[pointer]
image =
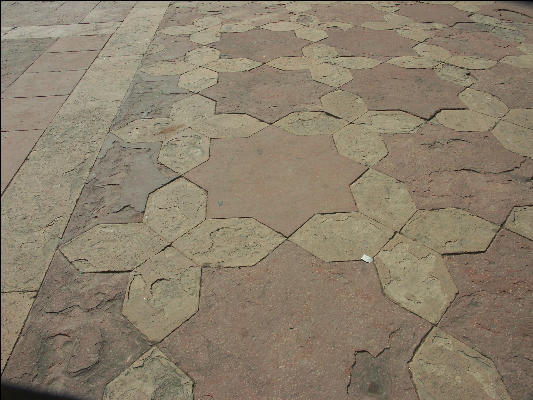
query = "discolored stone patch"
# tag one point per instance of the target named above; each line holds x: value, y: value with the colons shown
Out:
x: 515, y: 138
x: 389, y: 122
x: 185, y: 151
x: 310, y: 123
x: 343, y: 105
x: 521, y: 221
x: 198, y: 79
x: 439, y: 13
x: 465, y: 120
x: 360, y: 144
x: 483, y: 103
x: 229, y: 125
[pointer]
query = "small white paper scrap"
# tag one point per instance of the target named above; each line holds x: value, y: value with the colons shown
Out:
x: 367, y: 259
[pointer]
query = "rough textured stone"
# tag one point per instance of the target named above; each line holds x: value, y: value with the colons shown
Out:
x: 281, y: 312
x: 310, y: 123
x: 184, y: 152
x: 465, y: 120
x: 483, y: 102
x: 162, y: 293
x: 515, y: 138
x: 345, y: 12
x: 415, y: 277
x: 331, y: 75
x: 202, y: 56
x: 175, y: 209
x: 229, y: 125
x: 342, y: 236
x: 355, y: 62
x: 445, y: 367
x: 319, y: 52
x: 311, y: 34
x: 413, y: 62
x: 192, y: 109
x: 152, y: 376
x: 450, y: 230
x: 198, y: 79
x: 233, y: 65
x: 451, y: 73
x: 521, y: 61
x: 359, y: 144
x: 112, y: 247
x: 522, y: 117
x: 232, y: 242
x: 344, y: 105
x: 383, y: 198
x: 440, y: 13
x: 148, y: 130
x: 521, y: 221
x: 256, y: 176
x: 389, y: 122
x: 290, y: 63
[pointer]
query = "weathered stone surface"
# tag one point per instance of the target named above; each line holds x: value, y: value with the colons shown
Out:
x: 451, y: 73
x: 413, y: 62
x: 43, y: 84
x: 359, y: 144
x: 70, y: 61
x: 207, y: 36
x: 344, y: 105
x: 290, y: 63
x: 440, y: 13
x: 168, y: 48
x: 450, y: 230
x: 22, y: 114
x: 198, y: 79
x: 432, y: 52
x: 162, y: 293
x: 233, y: 65
x: 483, y: 102
x: 415, y: 277
x: 202, y: 56
x: 354, y: 62
x: 253, y: 320
x: 389, y: 122
x: 383, y: 198
x: 175, y: 209
x: 229, y: 125
x: 468, y: 62
x: 311, y: 34
x: 192, y: 109
x: 520, y: 116
x: 521, y: 221
x: 152, y: 376
x: 181, y: 30
x: 345, y: 12
x: 310, y: 123
x: 234, y: 28
x: 466, y: 120
x: 148, y: 130
x: 231, y: 242
x: 184, y: 152
x: 342, y: 236
x: 331, y: 75
x: 320, y: 52
x: 112, y: 247
x: 521, y: 61
x: 168, y: 68
x: 281, y: 26
x: 515, y: 138
x: 256, y: 177
x: 445, y: 367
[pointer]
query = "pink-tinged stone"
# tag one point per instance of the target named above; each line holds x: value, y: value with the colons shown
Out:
x: 511, y: 11
x: 71, y: 61
x: 29, y: 113
x: 168, y: 48
x: 15, y: 148
x: 288, y: 328
x: 257, y: 176
x: 266, y: 93
x: 468, y: 170
x: 260, y: 45
x: 492, y: 312
x: 417, y: 91
x: 355, y: 14
x: 75, y: 339
x: 79, y: 43
x: 510, y: 84
x: 31, y: 84
x: 367, y: 42
x: 256, y: 13
x: 439, y: 13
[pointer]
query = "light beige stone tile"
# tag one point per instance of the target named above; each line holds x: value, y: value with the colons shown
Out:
x: 192, y: 109
x: 485, y: 19
x: 390, y: 122
x: 232, y: 65
x: 166, y: 68
x: 311, y: 34
x: 57, y: 31
x: 483, y: 102
x: 454, y: 74
x: 331, y: 75
x: 202, y: 56
x: 359, y: 144
x: 149, y: 130
x: 113, y: 247
x: 185, y: 151
x: 342, y: 236
x: 515, y: 138
x: 198, y: 79
x: 415, y: 277
x: 185, y: 30
x: 162, y: 294
x: 319, y: 52
x: 521, y: 221
x: 383, y: 198
x: 522, y: 61
x: 151, y: 376
x: 207, y: 22
x: 414, y: 34
x: 520, y: 116
x: 345, y: 105
x: 308, y: 20
x: 450, y: 230
x: 380, y: 25
x: 469, y: 6
x: 206, y: 36
x: 298, y: 7
x: 355, y: 62
x: 229, y: 125
x: 469, y: 62
x: 231, y: 242
x: 236, y: 28
x: 465, y: 120
x: 335, y: 25
x: 290, y: 63
x: 282, y: 26
x: 413, y: 62
x: 431, y: 51
x: 445, y: 368
x: 310, y: 123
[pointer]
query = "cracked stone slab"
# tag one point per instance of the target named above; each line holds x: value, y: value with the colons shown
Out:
x: 515, y: 138
x: 192, y: 109
x: 361, y: 145
x: 342, y: 236
x: 229, y: 125
x: 344, y: 105
x: 522, y: 117
x: 175, y: 208
x: 162, y: 293
x: 482, y: 102
x: 450, y: 230
x: 466, y: 120
x: 415, y: 277
x: 202, y: 56
x: 521, y: 221
x: 112, y: 247
x: 153, y: 375
x: 148, y: 130
x: 310, y: 123
x: 231, y: 242
x: 185, y: 151
x: 444, y: 367
x: 198, y: 79
x: 233, y: 65
x: 389, y: 122
x: 331, y: 75
x: 383, y: 199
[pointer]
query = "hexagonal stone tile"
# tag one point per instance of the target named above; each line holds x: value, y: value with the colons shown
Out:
x: 465, y: 120
x: 520, y: 116
x: 152, y: 376
x: 383, y: 198
x: 311, y: 34
x: 354, y: 62
x: 207, y: 36
x: 515, y: 138
x: 148, y: 130
x: 451, y: 73
x: 229, y: 125
x: 320, y: 52
x: 342, y: 236
x: 415, y: 277
x: 167, y: 68
x: 192, y: 109
x: 432, y: 52
x: 450, y: 230
x: 184, y: 152
x: 521, y: 221
x: 162, y: 293
x: 331, y: 75
x: 113, y: 247
x: 521, y: 61
x: 233, y: 65
x: 416, y: 91
x: 444, y: 367
x: 198, y: 79
x: 413, y: 62
x: 482, y: 102
x: 282, y: 26
x: 361, y: 145
x: 389, y: 122
x: 290, y: 63
x: 344, y: 105
x: 310, y: 123
x: 175, y: 208
x: 202, y: 56
x: 232, y: 242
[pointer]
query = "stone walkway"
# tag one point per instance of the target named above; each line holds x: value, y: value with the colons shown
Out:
x: 268, y: 200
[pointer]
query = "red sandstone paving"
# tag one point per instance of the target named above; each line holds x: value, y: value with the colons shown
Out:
x: 256, y: 13
x: 31, y: 84
x: 288, y: 328
x: 492, y: 312
x: 257, y: 176
x: 79, y: 43
x: 355, y: 14
x: 439, y: 13
x: 24, y: 114
x: 71, y: 61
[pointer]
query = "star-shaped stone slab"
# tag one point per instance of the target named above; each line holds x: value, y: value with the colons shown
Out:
x: 257, y: 176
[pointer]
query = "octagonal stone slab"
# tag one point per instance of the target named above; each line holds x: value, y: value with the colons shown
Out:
x: 342, y: 236
x: 175, y: 208
x: 152, y: 376
x: 482, y: 102
x: 162, y: 293
x: 331, y: 75
x: 354, y: 62
x: 465, y: 120
x: 198, y: 79
x: 192, y: 109
x: 148, y: 130
x: 360, y: 144
x: 202, y: 56
x: 389, y: 122
x: 515, y: 138
x: 231, y: 242
x: 415, y: 277
x: 444, y: 367
x: 383, y: 198
x: 233, y: 65
x: 185, y: 151
x: 343, y: 105
x: 229, y: 125
x: 310, y: 123
x: 311, y: 34
x: 521, y: 221
x: 450, y: 230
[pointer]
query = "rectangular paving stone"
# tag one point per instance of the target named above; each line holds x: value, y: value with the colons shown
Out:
x: 32, y: 84
x: 29, y: 113
x: 71, y: 61
x: 78, y: 43
x: 104, y: 13
x: 56, y: 31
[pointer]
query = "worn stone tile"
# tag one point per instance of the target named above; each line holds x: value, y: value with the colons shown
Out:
x: 290, y: 63
x: 44, y: 84
x: 282, y: 26
x: 413, y: 62
x: 468, y: 62
x: 185, y: 151
x: 283, y: 308
x: 26, y: 114
x: 229, y: 125
x: 415, y: 277
x: 466, y: 120
x: 331, y: 75
x: 419, y: 92
x: 78, y: 43
x: 390, y: 122
x: 310, y: 123
x: 233, y: 65
x: 149, y: 130
x: 163, y: 68
x: 440, y: 13
x: 320, y: 52
x: 520, y: 116
x: 57, y: 31
x: 202, y: 56
x: 235, y: 28
x: 521, y: 61
x: 450, y: 230
x: 445, y: 367
x: 181, y: 30
x: 355, y: 62
x: 207, y: 22
x: 359, y: 144
x: 483, y: 102
x: 198, y: 79
x: 311, y: 34
x: 344, y: 12
x: 104, y: 13
x: 207, y: 36
x: 192, y: 109
x: 521, y: 221
x: 343, y: 105
x: 432, y: 52
x: 383, y: 198
x: 255, y: 177
x: 70, y: 61
x: 266, y: 93
x: 515, y: 138
x: 168, y: 48
x: 451, y: 73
